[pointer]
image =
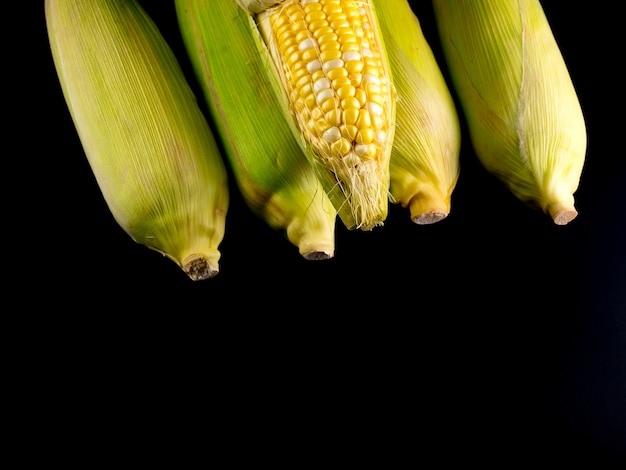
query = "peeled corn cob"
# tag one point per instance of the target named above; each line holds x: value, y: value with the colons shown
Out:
x: 275, y: 178
x: 330, y: 61
x: 147, y: 142
x: 525, y: 121
x: 424, y: 164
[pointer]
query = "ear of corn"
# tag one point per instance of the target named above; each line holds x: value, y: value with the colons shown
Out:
x: 147, y: 142
x: 330, y: 60
x: 275, y: 178
x: 424, y: 165
x: 523, y: 113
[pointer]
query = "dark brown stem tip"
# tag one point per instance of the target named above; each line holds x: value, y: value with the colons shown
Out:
x: 199, y: 268
x: 317, y: 255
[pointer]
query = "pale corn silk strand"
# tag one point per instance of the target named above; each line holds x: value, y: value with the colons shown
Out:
x: 331, y: 65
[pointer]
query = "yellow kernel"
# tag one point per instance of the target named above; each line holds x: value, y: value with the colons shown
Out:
x: 302, y: 34
x: 283, y: 37
x: 370, y: 69
x: 329, y: 105
x: 364, y: 120
x: 341, y: 147
x: 330, y: 55
x: 328, y: 41
x: 317, y: 113
x: 288, y: 50
x: 346, y: 38
x: 372, y: 89
x: 293, y: 11
x: 344, y: 29
x: 338, y: 20
x: 310, y: 101
x: 377, y: 122
x: 305, y: 90
x: 361, y: 96
x: 309, y: 54
x: 315, y: 25
x: 302, y: 81
x: 315, y: 16
x: 317, y: 75
x: 350, y: 116
x: 356, y: 78
x: 341, y: 81
x: 337, y: 73
x: 293, y: 58
x: 345, y: 92
x: 312, y: 6
x: 349, y: 132
x: 332, y: 8
x: 310, y: 126
x: 375, y: 98
x: 365, y: 136
x: 374, y: 150
x: 290, y: 42
x: 354, y: 66
x: 350, y: 47
x: 350, y: 102
x: 322, y: 126
x: 323, y: 31
x: 333, y: 117
x: 279, y: 20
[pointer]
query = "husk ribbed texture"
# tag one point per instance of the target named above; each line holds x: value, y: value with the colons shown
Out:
x: 525, y: 120
x: 147, y: 142
x: 424, y: 165
x: 274, y: 176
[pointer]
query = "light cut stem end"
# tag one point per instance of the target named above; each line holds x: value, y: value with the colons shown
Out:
x: 562, y: 212
x: 429, y: 217
x: 426, y: 204
x: 563, y: 217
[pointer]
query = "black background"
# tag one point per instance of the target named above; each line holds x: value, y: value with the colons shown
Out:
x: 493, y: 335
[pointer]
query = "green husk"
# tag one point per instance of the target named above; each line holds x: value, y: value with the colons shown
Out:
x: 275, y: 178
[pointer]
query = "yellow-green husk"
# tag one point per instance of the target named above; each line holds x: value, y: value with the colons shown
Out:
x: 424, y: 166
x: 524, y: 117
x: 147, y: 142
